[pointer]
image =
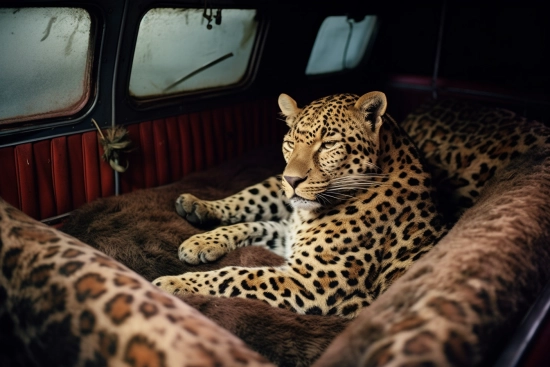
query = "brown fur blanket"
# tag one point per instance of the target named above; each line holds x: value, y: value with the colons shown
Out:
x: 143, y: 230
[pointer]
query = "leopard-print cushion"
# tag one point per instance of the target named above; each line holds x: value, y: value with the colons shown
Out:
x: 63, y: 303
x: 465, y: 144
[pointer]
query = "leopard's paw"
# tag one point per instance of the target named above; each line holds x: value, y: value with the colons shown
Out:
x: 175, y: 285
x: 205, y: 247
x: 197, y: 211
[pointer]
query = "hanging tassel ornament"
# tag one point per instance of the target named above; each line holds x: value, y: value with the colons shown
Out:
x: 207, y: 16
x: 115, y: 141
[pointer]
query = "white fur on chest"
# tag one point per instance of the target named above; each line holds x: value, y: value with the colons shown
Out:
x: 296, y: 222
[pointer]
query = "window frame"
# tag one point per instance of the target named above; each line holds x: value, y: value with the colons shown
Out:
x: 52, y: 120
x: 185, y: 97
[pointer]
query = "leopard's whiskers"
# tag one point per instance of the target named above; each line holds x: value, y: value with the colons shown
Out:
x: 341, y: 188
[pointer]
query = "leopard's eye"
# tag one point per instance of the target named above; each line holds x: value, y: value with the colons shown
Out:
x: 288, y: 145
x: 328, y: 145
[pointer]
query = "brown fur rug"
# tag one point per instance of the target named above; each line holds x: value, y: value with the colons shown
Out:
x: 143, y: 231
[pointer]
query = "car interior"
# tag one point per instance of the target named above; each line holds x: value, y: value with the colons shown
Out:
x: 110, y: 109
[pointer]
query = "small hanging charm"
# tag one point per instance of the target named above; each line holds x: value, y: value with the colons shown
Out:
x: 207, y: 16
x: 116, y: 141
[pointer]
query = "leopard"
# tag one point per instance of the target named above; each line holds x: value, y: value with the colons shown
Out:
x: 64, y: 303
x: 359, y: 210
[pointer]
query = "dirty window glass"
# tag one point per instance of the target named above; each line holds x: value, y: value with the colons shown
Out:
x: 44, y: 62
x: 340, y: 44
x: 177, y: 52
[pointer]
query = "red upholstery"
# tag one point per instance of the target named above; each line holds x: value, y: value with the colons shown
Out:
x: 167, y: 149
x: 60, y: 175
x: 76, y: 170
x: 43, y: 179
x: 54, y: 176
x: 26, y: 180
x: 9, y: 181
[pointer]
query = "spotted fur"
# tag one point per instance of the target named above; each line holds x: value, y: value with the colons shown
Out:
x: 362, y: 214
x: 465, y: 144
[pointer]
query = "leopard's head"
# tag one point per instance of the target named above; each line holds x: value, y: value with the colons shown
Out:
x: 331, y: 147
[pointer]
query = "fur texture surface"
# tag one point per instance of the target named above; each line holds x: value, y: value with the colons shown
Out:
x: 282, y: 336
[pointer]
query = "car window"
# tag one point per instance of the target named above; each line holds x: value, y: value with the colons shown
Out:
x: 179, y: 50
x: 45, y: 62
x: 340, y: 44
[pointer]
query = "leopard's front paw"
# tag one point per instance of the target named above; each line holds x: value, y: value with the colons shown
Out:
x: 175, y: 285
x: 197, y: 211
x: 204, y: 247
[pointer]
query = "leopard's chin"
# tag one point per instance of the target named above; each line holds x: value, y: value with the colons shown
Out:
x: 299, y: 202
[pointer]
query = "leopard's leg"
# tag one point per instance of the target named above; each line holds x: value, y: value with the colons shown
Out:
x: 261, y: 202
x: 282, y: 287
x: 211, y: 245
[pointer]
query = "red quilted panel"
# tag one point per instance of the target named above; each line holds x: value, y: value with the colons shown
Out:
x: 160, y: 146
x: 60, y: 175
x: 209, y: 139
x: 90, y: 154
x: 44, y: 179
x: 227, y: 141
x: 54, y: 176
x: 186, y: 144
x: 147, y: 154
x: 222, y: 135
x: 107, y: 177
x: 133, y: 178
x: 167, y: 149
x: 8, y: 183
x: 173, y: 148
x: 197, y: 141
x: 76, y: 169
x: 26, y: 179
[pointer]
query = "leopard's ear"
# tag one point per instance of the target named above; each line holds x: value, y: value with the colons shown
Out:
x: 289, y: 108
x: 371, y: 107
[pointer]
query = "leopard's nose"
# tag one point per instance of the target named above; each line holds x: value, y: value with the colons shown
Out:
x: 294, y: 181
